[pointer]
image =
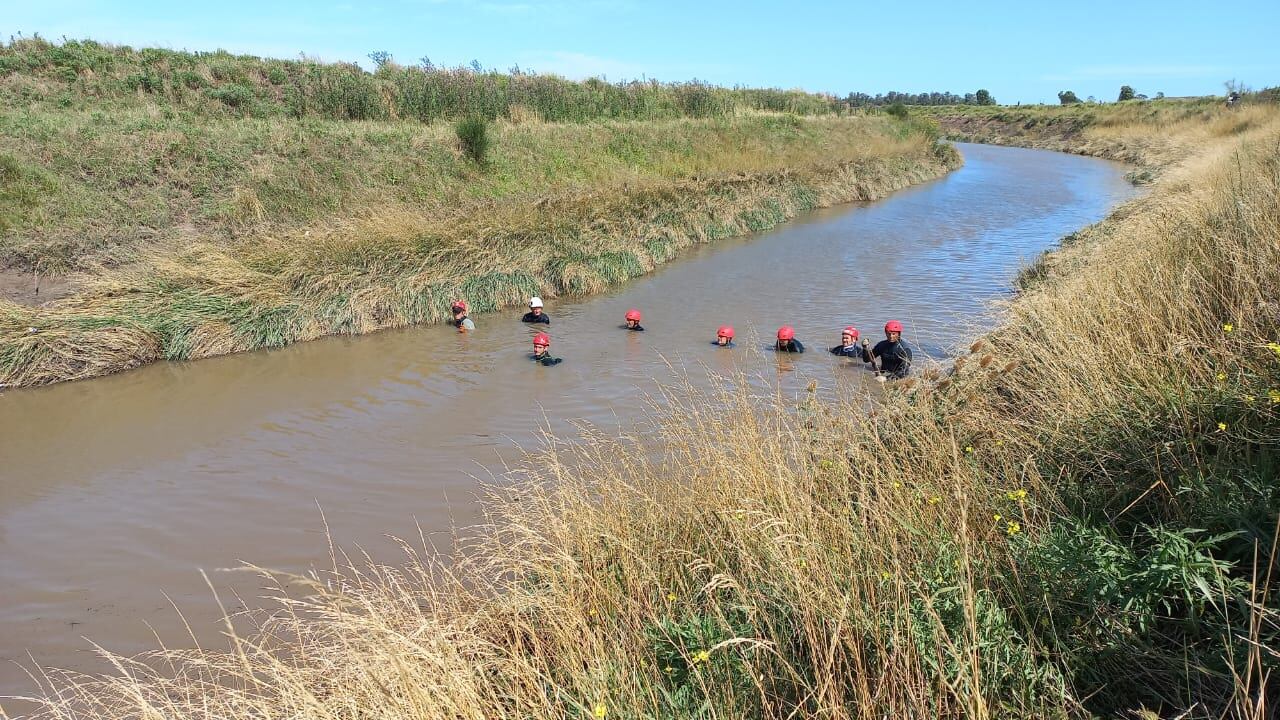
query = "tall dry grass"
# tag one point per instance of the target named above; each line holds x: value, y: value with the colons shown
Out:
x: 1080, y: 520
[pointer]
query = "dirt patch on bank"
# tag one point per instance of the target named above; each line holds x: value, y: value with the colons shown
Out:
x: 1062, y: 134
x: 27, y: 288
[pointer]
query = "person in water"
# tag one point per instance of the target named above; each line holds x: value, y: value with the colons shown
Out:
x: 541, y: 343
x: 894, y: 355
x: 460, y: 319
x: 535, y: 314
x: 848, y: 346
x: 633, y: 320
x: 724, y: 336
x: 787, y: 341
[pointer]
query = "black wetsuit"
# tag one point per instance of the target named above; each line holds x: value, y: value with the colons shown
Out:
x: 636, y: 328
x: 847, y: 351
x: 792, y: 346
x: 531, y: 318
x: 895, y: 358
x: 727, y: 345
x: 545, y: 359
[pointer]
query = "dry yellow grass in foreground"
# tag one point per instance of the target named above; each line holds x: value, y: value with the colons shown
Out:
x: 1079, y: 520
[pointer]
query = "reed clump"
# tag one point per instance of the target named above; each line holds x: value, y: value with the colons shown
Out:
x: 1079, y: 521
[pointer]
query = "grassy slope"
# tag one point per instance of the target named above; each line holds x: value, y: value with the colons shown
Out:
x: 196, y: 228
x: 105, y: 148
x: 1079, y: 520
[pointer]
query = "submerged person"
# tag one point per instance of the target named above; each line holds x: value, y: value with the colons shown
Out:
x: 724, y: 336
x: 633, y: 320
x: 460, y: 318
x: 893, y: 353
x: 787, y: 341
x: 848, y: 346
x: 535, y: 314
x: 541, y: 354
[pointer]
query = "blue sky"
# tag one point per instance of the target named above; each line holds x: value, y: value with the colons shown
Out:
x: 1020, y: 51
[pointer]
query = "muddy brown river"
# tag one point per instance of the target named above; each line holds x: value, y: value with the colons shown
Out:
x: 117, y: 492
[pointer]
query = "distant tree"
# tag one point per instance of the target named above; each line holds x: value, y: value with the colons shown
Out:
x: 1068, y: 97
x: 426, y: 64
x: 1091, y: 99
x: 897, y: 110
x: 982, y: 97
x: 380, y: 57
x: 1139, y: 96
x: 1126, y: 93
x: 1160, y: 95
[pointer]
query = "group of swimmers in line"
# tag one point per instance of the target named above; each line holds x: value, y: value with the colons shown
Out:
x: 891, y: 358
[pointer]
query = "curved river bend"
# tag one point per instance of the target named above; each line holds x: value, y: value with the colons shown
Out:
x: 117, y: 491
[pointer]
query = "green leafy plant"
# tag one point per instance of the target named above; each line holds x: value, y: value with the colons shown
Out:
x: 473, y: 133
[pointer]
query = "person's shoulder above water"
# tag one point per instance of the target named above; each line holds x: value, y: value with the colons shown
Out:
x: 529, y: 317
x: 545, y: 359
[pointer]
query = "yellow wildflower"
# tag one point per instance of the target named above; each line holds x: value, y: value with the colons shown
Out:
x: 997, y: 517
x: 1274, y: 347
x: 592, y: 611
x: 1228, y: 327
x: 671, y: 597
x: 1013, y: 528
x: 1222, y: 376
x: 1273, y: 396
x: 600, y: 710
x: 885, y: 574
x: 701, y: 656
x: 968, y: 448
x: 897, y: 484
x: 1017, y: 495
x: 1222, y: 427
x: 668, y: 669
x: 935, y: 500
x: 1249, y: 398
x: 999, y: 443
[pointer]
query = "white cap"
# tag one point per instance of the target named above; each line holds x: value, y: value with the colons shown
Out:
x: 535, y: 301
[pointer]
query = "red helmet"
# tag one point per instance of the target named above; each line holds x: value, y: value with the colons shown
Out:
x: 725, y: 331
x: 893, y: 326
x: 633, y: 314
x: 786, y: 332
x: 542, y: 339
x: 851, y: 331
x: 459, y: 305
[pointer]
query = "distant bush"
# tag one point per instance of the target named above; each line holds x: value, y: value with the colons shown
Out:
x: 983, y: 97
x: 1126, y: 93
x: 897, y: 110
x: 236, y: 96
x: 1068, y: 97
x: 473, y: 133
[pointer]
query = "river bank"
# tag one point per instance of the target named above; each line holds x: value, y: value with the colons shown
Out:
x: 187, y: 205
x: 628, y: 198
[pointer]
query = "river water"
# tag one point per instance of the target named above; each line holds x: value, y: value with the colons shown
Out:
x: 116, y: 492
